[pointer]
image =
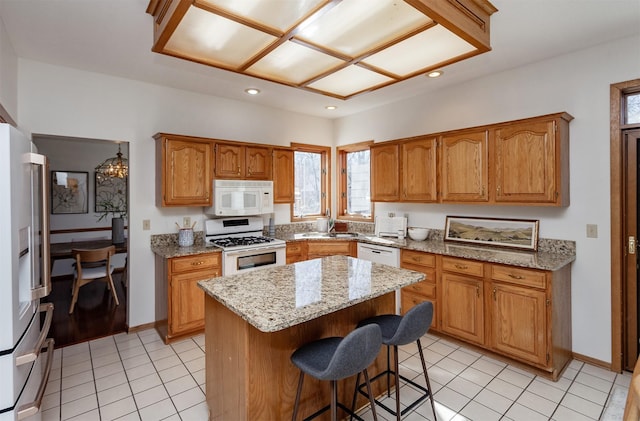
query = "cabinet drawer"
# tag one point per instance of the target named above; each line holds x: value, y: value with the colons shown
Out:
x: 294, y: 249
x: 520, y: 276
x: 328, y: 248
x: 468, y: 267
x: 409, y: 300
x: 418, y: 258
x: 424, y: 288
x: 196, y: 262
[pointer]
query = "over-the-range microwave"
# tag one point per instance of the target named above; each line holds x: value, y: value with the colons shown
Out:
x: 241, y: 197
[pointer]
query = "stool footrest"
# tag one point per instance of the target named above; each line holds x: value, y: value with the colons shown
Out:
x: 412, y: 405
x: 339, y: 405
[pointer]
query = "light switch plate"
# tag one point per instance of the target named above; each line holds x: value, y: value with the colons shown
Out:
x: 186, y: 222
x: 146, y: 224
x: 592, y: 231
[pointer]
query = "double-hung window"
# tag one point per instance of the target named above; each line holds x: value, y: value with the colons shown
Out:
x: 312, y: 181
x: 354, y: 183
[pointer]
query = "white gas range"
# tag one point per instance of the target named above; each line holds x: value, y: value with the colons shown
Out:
x: 244, y: 248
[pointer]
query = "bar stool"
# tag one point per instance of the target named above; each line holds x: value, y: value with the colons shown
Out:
x: 402, y: 330
x: 337, y: 358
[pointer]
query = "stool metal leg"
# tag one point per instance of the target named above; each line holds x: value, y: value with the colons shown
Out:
x: 426, y: 378
x: 371, y: 399
x: 296, y: 404
x: 396, y: 367
x: 334, y: 400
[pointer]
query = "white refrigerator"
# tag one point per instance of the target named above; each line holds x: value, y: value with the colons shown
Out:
x: 26, y: 354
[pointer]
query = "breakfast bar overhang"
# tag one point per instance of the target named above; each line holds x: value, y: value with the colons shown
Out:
x: 255, y: 320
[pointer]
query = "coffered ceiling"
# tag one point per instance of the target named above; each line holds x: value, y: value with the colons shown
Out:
x: 115, y: 37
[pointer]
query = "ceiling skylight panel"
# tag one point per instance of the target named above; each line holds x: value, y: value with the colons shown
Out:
x: 204, y: 36
x: 355, y: 26
x: 427, y: 49
x: 280, y: 14
x: 293, y: 63
x: 350, y: 81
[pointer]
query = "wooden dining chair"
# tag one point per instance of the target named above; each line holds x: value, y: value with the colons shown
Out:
x: 93, y: 265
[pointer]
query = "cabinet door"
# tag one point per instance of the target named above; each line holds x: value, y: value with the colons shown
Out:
x: 464, y: 167
x: 283, y: 182
x: 317, y: 249
x: 296, y: 252
x: 525, y: 162
x: 258, y: 163
x: 229, y: 161
x: 385, y: 173
x: 419, y: 172
x: 187, y: 173
x: 519, y: 327
x: 462, y: 309
x: 187, y: 302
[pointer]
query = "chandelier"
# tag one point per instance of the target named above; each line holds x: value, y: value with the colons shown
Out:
x: 114, y: 167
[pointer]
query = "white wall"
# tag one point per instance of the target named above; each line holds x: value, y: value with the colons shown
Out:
x: 8, y: 74
x: 578, y: 84
x: 66, y: 102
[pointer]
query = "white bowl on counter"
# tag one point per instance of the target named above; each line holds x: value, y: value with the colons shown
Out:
x: 417, y: 233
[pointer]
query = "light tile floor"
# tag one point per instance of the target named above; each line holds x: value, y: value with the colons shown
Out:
x: 138, y: 377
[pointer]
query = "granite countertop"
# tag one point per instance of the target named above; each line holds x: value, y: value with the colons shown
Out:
x: 173, y: 250
x: 275, y: 298
x: 555, y: 256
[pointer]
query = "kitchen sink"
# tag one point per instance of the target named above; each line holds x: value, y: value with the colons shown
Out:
x: 344, y: 234
x: 328, y: 235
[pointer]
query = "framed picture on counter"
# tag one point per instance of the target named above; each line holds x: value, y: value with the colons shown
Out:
x: 513, y: 233
x: 69, y: 192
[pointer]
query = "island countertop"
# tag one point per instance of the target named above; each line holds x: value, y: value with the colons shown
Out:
x: 276, y: 298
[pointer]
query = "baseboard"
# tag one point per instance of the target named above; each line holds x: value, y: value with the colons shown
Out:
x: 592, y: 361
x: 140, y: 328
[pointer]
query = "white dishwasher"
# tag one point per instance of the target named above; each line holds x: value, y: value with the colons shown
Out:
x: 381, y: 254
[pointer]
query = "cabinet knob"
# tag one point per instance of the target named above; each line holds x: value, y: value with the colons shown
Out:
x: 197, y: 263
x: 459, y: 266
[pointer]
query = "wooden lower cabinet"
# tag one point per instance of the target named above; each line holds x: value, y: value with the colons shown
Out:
x: 519, y: 322
x: 316, y: 249
x: 296, y: 251
x: 425, y: 290
x: 463, y: 307
x: 181, y: 308
x: 522, y: 313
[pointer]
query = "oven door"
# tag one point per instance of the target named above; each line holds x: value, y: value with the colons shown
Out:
x: 246, y: 260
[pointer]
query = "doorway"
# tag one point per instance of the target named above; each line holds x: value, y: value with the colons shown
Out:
x: 624, y: 229
x: 86, y: 226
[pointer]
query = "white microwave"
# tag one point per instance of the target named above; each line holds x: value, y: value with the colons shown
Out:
x: 241, y: 197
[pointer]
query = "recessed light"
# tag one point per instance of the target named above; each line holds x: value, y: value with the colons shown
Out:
x: 331, y: 107
x: 252, y: 91
x: 435, y: 73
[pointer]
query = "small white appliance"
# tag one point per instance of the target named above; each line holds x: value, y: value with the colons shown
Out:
x: 381, y: 254
x: 24, y: 277
x: 391, y: 226
x: 241, y: 198
x: 244, y: 248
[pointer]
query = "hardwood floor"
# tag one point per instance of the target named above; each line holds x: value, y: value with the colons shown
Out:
x: 94, y: 316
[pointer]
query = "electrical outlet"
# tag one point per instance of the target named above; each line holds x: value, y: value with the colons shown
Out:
x: 186, y: 222
x: 146, y: 224
x: 592, y: 231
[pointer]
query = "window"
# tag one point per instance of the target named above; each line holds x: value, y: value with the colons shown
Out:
x: 354, y: 185
x: 312, y: 181
x: 632, y: 108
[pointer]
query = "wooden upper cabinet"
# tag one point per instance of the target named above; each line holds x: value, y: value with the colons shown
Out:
x: 184, y: 165
x: 385, y: 172
x: 258, y: 162
x: 283, y: 173
x: 419, y: 170
x: 531, y: 161
x: 464, y: 167
x: 242, y: 161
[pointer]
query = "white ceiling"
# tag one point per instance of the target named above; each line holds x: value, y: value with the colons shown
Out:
x: 115, y: 36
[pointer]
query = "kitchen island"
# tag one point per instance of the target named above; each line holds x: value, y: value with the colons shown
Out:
x: 254, y: 321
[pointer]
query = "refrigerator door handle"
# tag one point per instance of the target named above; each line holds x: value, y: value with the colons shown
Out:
x: 33, y: 354
x: 45, y: 288
x: 31, y: 408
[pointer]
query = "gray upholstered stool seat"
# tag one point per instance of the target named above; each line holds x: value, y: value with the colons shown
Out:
x: 337, y: 358
x: 402, y: 330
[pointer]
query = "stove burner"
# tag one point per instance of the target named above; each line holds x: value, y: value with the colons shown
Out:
x: 239, y: 241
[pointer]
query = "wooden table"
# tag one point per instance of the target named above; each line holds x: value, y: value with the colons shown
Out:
x: 254, y: 322
x: 63, y: 250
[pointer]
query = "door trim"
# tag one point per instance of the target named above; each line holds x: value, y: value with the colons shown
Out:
x: 617, y: 221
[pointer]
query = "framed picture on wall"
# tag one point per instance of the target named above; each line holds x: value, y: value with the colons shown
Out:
x: 513, y: 233
x: 69, y: 192
x: 111, y: 194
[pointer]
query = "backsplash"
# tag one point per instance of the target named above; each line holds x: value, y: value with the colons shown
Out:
x: 164, y: 240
